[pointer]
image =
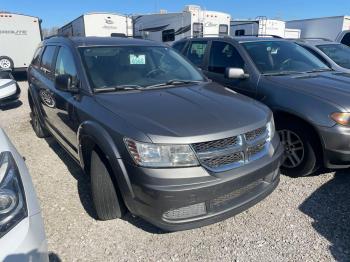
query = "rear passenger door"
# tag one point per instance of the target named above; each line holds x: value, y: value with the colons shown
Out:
x: 224, y: 55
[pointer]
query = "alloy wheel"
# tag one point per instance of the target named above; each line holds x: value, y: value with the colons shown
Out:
x: 293, y: 148
x: 5, y: 63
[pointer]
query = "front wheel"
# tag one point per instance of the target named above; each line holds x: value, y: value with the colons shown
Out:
x: 300, y: 148
x: 106, y: 197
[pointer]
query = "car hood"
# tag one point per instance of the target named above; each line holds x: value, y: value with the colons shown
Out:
x: 187, y: 114
x: 331, y: 86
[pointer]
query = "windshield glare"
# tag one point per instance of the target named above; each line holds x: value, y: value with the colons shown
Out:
x: 339, y: 53
x: 277, y: 57
x: 138, y: 66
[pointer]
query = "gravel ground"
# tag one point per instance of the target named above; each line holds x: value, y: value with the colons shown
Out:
x: 305, y: 219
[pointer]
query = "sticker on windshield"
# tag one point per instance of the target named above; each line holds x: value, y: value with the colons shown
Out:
x: 137, y: 59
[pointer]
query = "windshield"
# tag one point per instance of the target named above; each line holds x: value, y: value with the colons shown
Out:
x: 282, y: 57
x: 136, y: 67
x: 339, y: 53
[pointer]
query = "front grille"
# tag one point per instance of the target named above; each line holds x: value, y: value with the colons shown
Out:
x: 225, y: 199
x: 186, y: 212
x: 253, y: 135
x: 225, y: 154
x: 217, y: 144
x: 224, y: 160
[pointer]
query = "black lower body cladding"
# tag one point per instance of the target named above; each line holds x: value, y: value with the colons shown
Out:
x: 180, y: 204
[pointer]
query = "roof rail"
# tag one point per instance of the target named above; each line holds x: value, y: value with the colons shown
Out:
x: 261, y: 35
x: 316, y: 38
x: 207, y: 35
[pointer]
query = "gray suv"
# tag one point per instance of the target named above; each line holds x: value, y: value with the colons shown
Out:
x: 155, y: 136
x: 310, y: 101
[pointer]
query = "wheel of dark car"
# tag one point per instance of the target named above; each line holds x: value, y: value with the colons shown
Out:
x: 300, y: 149
x: 6, y: 62
x: 106, y: 197
x: 39, y: 129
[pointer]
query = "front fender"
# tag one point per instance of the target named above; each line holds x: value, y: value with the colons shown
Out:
x: 105, y: 142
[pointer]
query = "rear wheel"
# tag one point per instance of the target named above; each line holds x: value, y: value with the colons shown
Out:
x: 6, y: 62
x: 39, y: 129
x: 300, y: 148
x: 106, y: 197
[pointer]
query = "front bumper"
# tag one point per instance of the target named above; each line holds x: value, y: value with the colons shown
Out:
x: 25, y: 242
x: 336, y: 143
x: 11, y: 95
x: 223, y: 194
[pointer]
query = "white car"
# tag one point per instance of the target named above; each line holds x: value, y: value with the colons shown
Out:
x: 22, y: 235
x: 9, y: 89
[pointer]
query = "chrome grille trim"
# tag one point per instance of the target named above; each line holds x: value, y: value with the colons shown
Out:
x: 232, y: 152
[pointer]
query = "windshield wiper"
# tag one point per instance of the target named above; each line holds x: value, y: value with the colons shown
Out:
x: 106, y: 89
x: 282, y: 73
x: 319, y: 70
x: 174, y: 82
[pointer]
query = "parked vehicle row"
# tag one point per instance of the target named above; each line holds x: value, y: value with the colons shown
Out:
x: 310, y: 101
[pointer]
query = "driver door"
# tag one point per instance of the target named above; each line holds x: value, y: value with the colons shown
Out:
x: 224, y: 55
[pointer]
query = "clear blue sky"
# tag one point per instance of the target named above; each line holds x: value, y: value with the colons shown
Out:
x: 56, y: 13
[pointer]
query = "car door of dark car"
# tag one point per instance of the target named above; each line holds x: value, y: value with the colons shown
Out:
x: 59, y: 105
x: 223, y: 55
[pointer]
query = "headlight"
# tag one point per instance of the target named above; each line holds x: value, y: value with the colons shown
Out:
x: 341, y: 118
x: 12, y: 201
x: 271, y: 129
x: 161, y: 155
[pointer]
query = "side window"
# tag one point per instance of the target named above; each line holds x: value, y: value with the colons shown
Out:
x: 197, y: 29
x: 168, y: 35
x: 46, y: 61
x: 223, y: 29
x: 224, y: 55
x: 240, y: 32
x: 65, y: 63
x: 196, y: 52
x: 346, y: 39
x: 36, y: 57
x: 317, y: 55
x: 179, y: 46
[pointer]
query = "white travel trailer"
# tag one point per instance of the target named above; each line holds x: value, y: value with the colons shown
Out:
x: 98, y: 24
x: 262, y: 26
x: 336, y: 28
x: 19, y: 37
x: 191, y: 22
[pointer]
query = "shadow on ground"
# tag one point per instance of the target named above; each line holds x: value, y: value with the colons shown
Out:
x: 85, y: 192
x: 34, y: 255
x: 329, y: 207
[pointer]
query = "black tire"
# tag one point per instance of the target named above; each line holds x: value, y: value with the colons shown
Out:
x: 106, y: 197
x: 309, y: 160
x: 39, y: 129
x: 6, y: 62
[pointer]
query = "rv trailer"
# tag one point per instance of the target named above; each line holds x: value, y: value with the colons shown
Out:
x: 19, y: 37
x: 98, y: 24
x: 191, y: 22
x: 336, y: 28
x: 262, y: 26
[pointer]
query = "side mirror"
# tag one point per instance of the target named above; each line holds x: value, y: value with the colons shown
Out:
x: 236, y: 73
x: 65, y: 83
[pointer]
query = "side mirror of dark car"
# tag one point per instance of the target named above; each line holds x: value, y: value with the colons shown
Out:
x: 66, y: 83
x: 236, y: 73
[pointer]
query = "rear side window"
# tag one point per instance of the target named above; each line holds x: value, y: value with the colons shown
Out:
x: 47, y: 58
x: 196, y: 52
x: 224, y: 55
x: 346, y: 39
x: 37, y: 55
x: 223, y: 29
x: 179, y: 46
x: 65, y: 63
x: 315, y: 53
x: 168, y: 35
